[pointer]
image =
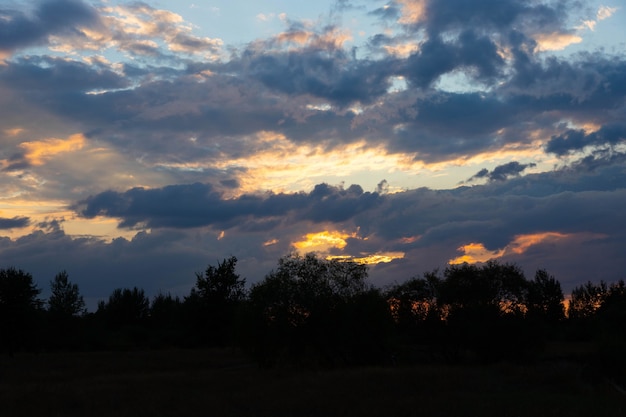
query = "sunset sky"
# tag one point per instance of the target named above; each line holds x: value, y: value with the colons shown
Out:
x: 142, y: 141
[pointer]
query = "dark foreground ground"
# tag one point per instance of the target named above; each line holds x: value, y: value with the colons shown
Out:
x: 224, y: 383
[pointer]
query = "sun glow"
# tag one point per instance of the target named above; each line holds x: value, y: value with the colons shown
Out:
x: 476, y: 252
x: 307, y: 165
x: 323, y: 241
x: 373, y: 259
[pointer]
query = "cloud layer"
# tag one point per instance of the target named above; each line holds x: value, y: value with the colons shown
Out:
x: 131, y: 139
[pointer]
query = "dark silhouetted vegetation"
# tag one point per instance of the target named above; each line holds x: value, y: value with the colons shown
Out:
x: 20, y: 310
x: 314, y: 313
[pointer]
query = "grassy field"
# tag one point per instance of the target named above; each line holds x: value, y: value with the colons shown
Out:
x: 224, y: 383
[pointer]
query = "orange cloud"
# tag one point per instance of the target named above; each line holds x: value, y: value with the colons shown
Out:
x: 14, y: 131
x: 323, y: 241
x: 38, y: 152
x: 332, y: 37
x: 306, y: 165
x: 402, y: 50
x: 410, y: 239
x: 413, y: 11
x: 475, y: 252
x: 373, y: 259
x: 555, y: 41
x: 521, y: 243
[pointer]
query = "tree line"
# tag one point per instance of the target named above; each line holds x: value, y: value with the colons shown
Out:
x: 313, y: 312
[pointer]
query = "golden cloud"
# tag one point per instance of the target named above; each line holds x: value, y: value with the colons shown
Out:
x: 323, y: 241
x: 372, y: 259
x: 38, y: 152
x: 305, y: 165
x: 413, y: 11
x: 555, y: 41
x: 476, y: 252
x: 402, y: 50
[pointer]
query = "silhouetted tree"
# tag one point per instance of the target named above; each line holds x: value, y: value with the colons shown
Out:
x: 167, y: 326
x: 597, y: 314
x: 587, y: 299
x: 545, y: 298
x: 125, y: 307
x: 125, y: 317
x: 65, y: 307
x: 315, y: 312
x: 65, y: 299
x: 484, y: 309
x: 213, y: 302
x: 415, y: 310
x: 19, y: 308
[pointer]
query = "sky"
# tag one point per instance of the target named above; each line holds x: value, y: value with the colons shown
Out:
x: 141, y: 142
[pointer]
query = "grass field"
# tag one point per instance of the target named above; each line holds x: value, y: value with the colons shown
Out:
x: 224, y: 383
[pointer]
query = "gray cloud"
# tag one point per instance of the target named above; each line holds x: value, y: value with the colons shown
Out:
x: 14, y: 223
x: 39, y: 75
x: 501, y: 172
x: 575, y: 140
x: 51, y: 17
x: 198, y: 204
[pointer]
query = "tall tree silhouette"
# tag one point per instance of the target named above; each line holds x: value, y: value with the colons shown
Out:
x: 587, y: 299
x: 65, y: 299
x: 65, y: 307
x: 315, y: 312
x: 212, y: 304
x: 484, y: 309
x: 545, y: 298
x: 124, y: 316
x: 167, y: 326
x: 19, y: 308
x: 417, y: 316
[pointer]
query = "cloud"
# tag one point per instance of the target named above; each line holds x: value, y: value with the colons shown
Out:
x: 51, y: 17
x: 36, y: 153
x: 43, y: 76
x: 556, y: 41
x: 577, y: 139
x: 15, y: 222
x: 140, y: 29
x: 604, y: 12
x: 196, y: 205
x: 502, y: 172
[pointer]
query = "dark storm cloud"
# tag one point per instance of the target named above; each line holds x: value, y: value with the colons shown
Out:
x: 510, y: 169
x: 569, y: 201
x: 501, y: 172
x: 194, y: 205
x: 320, y: 71
x: 437, y: 57
x: 47, y: 75
x: 13, y: 223
x: 577, y: 139
x: 270, y: 89
x: 566, y: 201
x: 52, y: 17
x: 444, y: 125
x: 499, y: 15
